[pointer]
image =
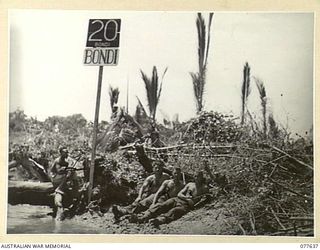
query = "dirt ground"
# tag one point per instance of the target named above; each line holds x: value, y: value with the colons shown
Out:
x: 209, y: 220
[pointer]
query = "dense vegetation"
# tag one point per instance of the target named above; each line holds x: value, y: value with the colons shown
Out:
x: 265, y: 183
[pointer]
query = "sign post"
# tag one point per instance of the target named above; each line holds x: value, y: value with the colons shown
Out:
x: 95, y: 131
x: 101, y: 50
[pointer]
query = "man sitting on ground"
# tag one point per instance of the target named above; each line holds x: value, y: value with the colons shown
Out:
x: 146, y: 193
x: 169, y: 189
x: 174, y: 208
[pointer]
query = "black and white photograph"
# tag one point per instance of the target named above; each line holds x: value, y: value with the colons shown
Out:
x: 161, y: 123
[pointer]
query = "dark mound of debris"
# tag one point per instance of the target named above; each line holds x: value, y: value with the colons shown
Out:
x: 211, y: 127
x: 122, y: 130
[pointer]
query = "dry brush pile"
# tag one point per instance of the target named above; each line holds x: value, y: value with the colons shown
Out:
x: 269, y: 189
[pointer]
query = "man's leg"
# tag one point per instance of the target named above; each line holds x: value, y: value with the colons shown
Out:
x: 58, y: 198
x: 135, y: 207
x: 174, y: 214
x: 157, y: 209
x: 118, y: 211
x: 144, y: 204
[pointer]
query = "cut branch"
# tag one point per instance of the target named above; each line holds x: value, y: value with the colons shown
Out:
x: 293, y: 158
x: 292, y: 191
x: 277, y: 219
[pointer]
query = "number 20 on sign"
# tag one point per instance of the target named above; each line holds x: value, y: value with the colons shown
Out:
x: 103, y: 40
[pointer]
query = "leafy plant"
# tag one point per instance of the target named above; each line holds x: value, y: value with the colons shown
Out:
x: 114, y: 96
x: 153, y: 90
x: 245, y: 91
x: 263, y: 98
x: 273, y: 127
x: 17, y: 120
x: 140, y: 114
x: 199, y: 78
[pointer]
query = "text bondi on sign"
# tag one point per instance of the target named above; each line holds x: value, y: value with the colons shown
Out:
x: 101, y: 56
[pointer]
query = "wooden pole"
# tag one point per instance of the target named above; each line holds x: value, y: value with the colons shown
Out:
x: 95, y: 130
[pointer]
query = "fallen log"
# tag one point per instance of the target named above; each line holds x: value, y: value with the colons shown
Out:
x: 33, y: 168
x: 28, y: 192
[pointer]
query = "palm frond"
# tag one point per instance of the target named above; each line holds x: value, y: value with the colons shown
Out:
x: 141, y: 113
x: 273, y: 127
x: 140, y: 105
x: 154, y: 87
x: 148, y: 87
x: 198, y: 79
x: 245, y: 90
x: 153, y: 90
x: 201, y: 28
x: 263, y: 98
x: 197, y: 89
x: 208, y: 39
x: 261, y: 88
x: 113, y: 95
x: 160, y: 88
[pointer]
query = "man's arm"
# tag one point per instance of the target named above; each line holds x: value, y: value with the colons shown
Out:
x: 52, y: 169
x: 203, y: 198
x: 144, y: 187
x: 184, y: 194
x: 162, y: 189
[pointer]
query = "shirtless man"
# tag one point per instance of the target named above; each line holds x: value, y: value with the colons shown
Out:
x: 60, y: 177
x: 168, y: 189
x: 146, y: 193
x: 174, y: 208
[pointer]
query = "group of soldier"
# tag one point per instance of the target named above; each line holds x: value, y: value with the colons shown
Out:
x: 161, y: 199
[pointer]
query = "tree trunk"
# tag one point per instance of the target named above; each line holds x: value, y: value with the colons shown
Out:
x: 28, y: 192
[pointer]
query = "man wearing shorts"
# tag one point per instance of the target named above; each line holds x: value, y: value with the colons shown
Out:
x: 146, y: 193
x: 176, y: 207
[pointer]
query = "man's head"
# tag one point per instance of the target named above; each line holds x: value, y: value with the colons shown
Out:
x: 176, y: 174
x: 115, y: 109
x: 199, y: 178
x: 25, y: 148
x: 158, y: 168
x: 63, y: 152
x: 96, y: 193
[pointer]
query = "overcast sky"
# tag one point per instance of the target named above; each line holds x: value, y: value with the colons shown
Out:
x: 47, y: 75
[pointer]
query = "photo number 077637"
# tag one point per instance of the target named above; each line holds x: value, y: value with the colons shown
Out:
x: 309, y: 246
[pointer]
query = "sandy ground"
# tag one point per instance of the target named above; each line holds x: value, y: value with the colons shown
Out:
x: 209, y: 220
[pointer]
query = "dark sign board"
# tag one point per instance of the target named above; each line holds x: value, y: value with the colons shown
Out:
x: 103, y: 33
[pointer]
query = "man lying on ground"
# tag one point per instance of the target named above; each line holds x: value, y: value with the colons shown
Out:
x: 174, y: 208
x: 169, y: 189
x: 146, y: 193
